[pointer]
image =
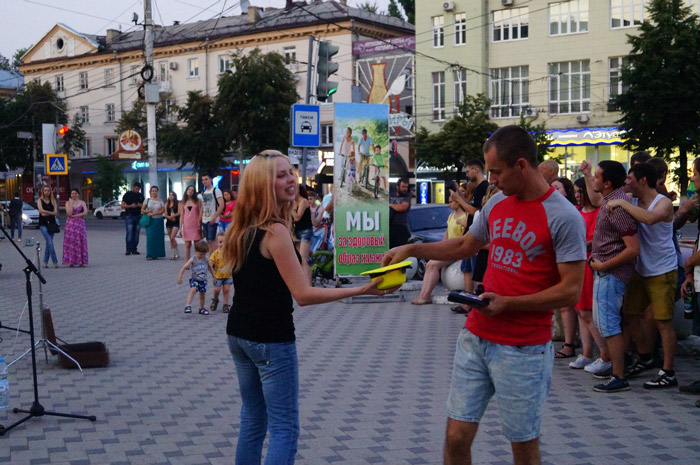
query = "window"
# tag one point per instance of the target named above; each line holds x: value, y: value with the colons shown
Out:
x: 83, y: 77
x: 169, y: 106
x: 569, y: 87
x: 460, y: 87
x: 84, y: 115
x: 87, y: 148
x: 568, y: 17
x: 627, y: 13
x: 109, y: 112
x: 326, y: 134
x: 409, y: 78
x: 290, y: 55
x: 193, y: 67
x: 110, y: 145
x: 134, y: 73
x: 460, y: 28
x: 59, y: 83
x: 36, y: 80
x: 438, y: 31
x: 510, y: 91
x: 224, y: 63
x: 511, y: 24
x: 439, y: 96
x: 163, y: 71
x: 109, y: 77
x: 617, y: 87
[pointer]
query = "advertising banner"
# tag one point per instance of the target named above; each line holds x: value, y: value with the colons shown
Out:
x: 360, y: 186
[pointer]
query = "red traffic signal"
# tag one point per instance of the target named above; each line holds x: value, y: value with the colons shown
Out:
x: 62, y: 130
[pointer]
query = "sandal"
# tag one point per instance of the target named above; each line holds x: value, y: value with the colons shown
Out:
x: 562, y: 354
x: 225, y: 308
x: 419, y: 301
x: 203, y: 311
x: 214, y: 304
x: 188, y: 309
x: 458, y: 309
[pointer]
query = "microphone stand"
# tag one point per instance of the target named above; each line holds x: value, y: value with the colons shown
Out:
x: 36, y: 410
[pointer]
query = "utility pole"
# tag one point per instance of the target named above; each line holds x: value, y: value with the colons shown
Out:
x: 309, y: 77
x: 150, y: 104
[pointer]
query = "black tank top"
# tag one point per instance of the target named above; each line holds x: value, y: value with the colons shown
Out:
x: 262, y: 304
x: 305, y: 221
x: 45, y: 219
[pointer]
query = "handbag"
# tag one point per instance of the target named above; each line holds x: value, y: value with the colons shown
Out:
x: 52, y: 226
x: 145, y: 220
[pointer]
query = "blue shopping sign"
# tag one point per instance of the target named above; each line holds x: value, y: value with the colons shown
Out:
x: 305, y: 126
x: 56, y: 163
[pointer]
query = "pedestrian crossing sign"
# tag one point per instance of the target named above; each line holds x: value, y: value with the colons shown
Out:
x: 56, y: 163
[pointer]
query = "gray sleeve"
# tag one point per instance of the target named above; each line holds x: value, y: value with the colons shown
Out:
x: 480, y: 227
x: 567, y: 228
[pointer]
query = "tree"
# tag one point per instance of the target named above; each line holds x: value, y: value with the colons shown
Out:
x: 253, y: 102
x: 539, y: 133
x: 371, y: 7
x: 4, y: 63
x: 460, y: 139
x: 409, y: 10
x: 135, y: 119
x: 108, y: 180
x: 17, y: 57
x: 661, y: 109
x: 202, y: 140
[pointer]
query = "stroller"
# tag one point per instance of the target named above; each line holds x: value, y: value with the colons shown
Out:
x: 322, y: 256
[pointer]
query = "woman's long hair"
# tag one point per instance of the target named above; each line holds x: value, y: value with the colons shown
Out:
x: 585, y: 200
x: 51, y: 199
x: 172, y: 203
x: 569, y: 189
x: 257, y: 208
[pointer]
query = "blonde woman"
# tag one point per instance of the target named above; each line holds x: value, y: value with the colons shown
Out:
x: 267, y: 274
x: 48, y: 210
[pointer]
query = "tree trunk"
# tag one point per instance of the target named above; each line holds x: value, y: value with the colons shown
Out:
x: 683, y: 175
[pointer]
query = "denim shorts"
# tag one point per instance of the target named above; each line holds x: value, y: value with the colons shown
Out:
x: 468, y: 265
x: 223, y: 282
x: 608, y: 292
x: 305, y: 235
x: 519, y: 377
x: 210, y: 231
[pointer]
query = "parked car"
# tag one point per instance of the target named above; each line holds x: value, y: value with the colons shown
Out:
x: 112, y: 209
x: 30, y: 215
x: 427, y: 223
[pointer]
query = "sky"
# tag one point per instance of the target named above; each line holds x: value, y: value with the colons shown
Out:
x: 24, y: 22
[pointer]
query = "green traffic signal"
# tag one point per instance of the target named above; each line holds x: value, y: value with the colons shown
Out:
x: 325, y: 68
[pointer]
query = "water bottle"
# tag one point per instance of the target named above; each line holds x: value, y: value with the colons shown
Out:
x: 688, y: 302
x: 4, y: 385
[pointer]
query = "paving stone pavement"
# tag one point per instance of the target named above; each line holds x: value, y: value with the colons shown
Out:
x: 374, y: 379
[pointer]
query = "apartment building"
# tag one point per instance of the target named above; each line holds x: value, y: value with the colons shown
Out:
x: 98, y: 76
x: 552, y: 61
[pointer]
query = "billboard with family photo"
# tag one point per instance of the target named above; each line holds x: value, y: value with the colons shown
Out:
x: 360, y: 186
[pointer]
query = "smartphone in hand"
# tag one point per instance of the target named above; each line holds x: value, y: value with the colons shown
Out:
x: 467, y: 298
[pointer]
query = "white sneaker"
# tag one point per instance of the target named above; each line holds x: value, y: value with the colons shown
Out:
x: 580, y: 362
x: 598, y: 367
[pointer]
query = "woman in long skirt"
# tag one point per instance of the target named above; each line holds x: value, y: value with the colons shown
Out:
x: 155, y: 232
x: 75, y: 248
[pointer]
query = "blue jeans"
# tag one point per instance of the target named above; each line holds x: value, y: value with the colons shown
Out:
x: 49, y: 250
x: 16, y: 222
x: 133, y: 229
x: 268, y: 378
x: 608, y: 292
x: 519, y: 377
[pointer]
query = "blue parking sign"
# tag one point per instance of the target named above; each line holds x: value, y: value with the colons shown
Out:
x: 305, y: 126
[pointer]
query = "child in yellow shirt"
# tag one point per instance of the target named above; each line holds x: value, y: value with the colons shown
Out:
x: 222, y: 278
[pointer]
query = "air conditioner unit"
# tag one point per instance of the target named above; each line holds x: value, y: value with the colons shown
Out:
x: 448, y: 6
x: 582, y: 118
x: 530, y: 113
x: 173, y: 65
x: 507, y: 2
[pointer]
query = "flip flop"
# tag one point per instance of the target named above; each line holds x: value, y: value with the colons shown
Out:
x: 419, y: 301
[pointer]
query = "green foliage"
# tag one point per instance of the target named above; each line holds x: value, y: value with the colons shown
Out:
x: 108, y: 180
x: 135, y: 119
x: 253, y: 102
x: 460, y: 139
x: 371, y: 7
x: 202, y: 140
x: 17, y: 57
x: 74, y: 139
x: 409, y: 9
x: 394, y: 10
x: 4, y: 63
x: 539, y: 133
x: 661, y: 109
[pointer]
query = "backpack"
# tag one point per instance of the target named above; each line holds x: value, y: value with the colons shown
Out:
x: 216, y: 199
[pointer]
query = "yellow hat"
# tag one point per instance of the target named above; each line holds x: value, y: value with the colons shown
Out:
x: 392, y: 275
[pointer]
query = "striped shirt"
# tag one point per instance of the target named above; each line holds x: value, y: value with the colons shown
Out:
x: 610, y: 228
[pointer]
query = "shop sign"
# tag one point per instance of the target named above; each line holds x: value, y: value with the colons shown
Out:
x: 587, y: 136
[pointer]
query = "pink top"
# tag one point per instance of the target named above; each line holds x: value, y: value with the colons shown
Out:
x: 227, y: 209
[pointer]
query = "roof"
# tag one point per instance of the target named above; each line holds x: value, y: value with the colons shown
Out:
x: 272, y: 19
x: 11, y: 80
x: 91, y: 38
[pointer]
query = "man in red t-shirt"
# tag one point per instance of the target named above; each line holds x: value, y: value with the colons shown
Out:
x: 536, y: 263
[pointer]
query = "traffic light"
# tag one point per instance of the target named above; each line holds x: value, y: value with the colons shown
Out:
x: 62, y: 130
x: 325, y: 68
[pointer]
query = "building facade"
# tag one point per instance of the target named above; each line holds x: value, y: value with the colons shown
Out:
x: 552, y: 61
x: 99, y: 76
